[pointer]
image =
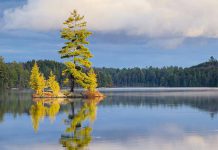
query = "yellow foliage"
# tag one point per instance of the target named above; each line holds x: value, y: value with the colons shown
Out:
x: 92, y: 80
x: 53, y: 110
x: 37, y: 113
x: 81, y: 136
x: 37, y: 81
x: 41, y: 84
x: 76, y: 34
x: 87, y: 81
x: 53, y: 84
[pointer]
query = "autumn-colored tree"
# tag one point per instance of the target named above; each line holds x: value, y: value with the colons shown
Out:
x: 34, y: 77
x: 53, y: 84
x: 92, y: 80
x: 37, y: 80
x: 41, y: 84
x: 75, y: 49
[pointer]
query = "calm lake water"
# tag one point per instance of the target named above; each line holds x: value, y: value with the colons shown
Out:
x: 139, y: 119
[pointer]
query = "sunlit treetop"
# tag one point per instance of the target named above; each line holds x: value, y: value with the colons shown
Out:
x: 78, y: 65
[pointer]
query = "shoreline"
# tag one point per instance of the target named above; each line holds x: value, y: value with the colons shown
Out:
x: 105, y: 89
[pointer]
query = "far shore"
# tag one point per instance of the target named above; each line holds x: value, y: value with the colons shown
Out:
x: 145, y: 89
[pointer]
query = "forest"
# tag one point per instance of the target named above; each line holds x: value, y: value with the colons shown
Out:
x: 16, y: 75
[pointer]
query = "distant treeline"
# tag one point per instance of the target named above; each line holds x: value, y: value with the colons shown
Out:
x: 16, y: 75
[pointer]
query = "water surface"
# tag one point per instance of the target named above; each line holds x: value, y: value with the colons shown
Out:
x: 152, y: 119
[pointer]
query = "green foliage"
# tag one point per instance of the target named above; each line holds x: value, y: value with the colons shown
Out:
x: 202, y: 75
x: 3, y: 73
x: 16, y: 75
x: 76, y: 34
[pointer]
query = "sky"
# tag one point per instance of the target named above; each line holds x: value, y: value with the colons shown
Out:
x: 126, y: 33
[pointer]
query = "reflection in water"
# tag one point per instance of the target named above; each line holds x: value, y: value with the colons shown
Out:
x: 37, y: 113
x: 200, y: 100
x: 18, y: 103
x: 78, y: 125
x: 126, y: 120
x: 188, y: 142
x: 53, y: 110
x: 39, y: 110
x: 78, y: 132
x: 15, y: 102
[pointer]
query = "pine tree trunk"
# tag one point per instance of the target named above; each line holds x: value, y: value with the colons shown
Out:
x: 72, y: 84
x: 73, y: 112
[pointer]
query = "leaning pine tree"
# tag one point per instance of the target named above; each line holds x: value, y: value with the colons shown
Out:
x: 79, y: 68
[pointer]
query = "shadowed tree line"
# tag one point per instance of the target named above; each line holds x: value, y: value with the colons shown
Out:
x: 202, y: 75
x: 19, y: 103
x: 16, y: 75
x: 204, y: 103
x: 14, y: 102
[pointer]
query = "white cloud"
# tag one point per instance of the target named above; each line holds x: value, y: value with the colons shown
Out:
x: 150, y: 18
x: 189, y: 142
x: 168, y: 137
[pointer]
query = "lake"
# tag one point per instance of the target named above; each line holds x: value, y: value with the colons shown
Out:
x: 128, y: 118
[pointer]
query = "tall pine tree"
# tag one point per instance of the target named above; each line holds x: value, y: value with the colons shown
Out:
x: 75, y: 50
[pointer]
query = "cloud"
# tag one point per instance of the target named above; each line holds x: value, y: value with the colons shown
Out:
x: 151, y: 18
x: 168, y: 137
x: 189, y: 142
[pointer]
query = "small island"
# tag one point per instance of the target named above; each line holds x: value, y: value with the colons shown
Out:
x: 78, y: 72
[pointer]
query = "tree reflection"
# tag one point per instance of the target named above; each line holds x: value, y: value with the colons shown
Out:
x: 53, y: 110
x: 77, y: 135
x: 79, y: 125
x: 37, y: 112
x: 41, y: 108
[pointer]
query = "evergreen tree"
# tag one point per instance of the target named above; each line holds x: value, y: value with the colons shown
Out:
x: 92, y: 83
x: 3, y: 73
x: 34, y: 78
x: 53, y: 84
x: 37, y: 81
x: 41, y: 84
x: 76, y: 34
